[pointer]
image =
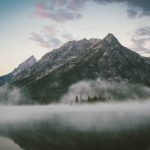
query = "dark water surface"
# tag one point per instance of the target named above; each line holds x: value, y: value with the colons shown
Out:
x: 109, y: 126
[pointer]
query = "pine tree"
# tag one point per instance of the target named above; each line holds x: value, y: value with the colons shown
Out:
x: 77, y: 99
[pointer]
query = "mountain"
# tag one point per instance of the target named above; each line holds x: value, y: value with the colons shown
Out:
x: 58, y: 57
x: 6, y: 78
x: 26, y: 65
x: 17, y: 72
x: 49, y: 78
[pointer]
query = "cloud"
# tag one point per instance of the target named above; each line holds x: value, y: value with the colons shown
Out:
x: 68, y: 10
x: 13, y: 96
x: 50, y: 29
x: 145, y: 31
x: 139, y: 39
x: 135, y: 7
x: 45, y: 41
x: 50, y: 37
x: 60, y: 10
x: 41, y: 10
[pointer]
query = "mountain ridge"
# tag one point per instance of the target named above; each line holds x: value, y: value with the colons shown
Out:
x: 60, y: 56
x: 106, y: 59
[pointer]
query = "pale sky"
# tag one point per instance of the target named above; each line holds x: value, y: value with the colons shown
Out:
x: 35, y: 27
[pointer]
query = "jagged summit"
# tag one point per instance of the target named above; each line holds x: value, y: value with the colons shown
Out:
x: 82, y: 44
x: 29, y: 62
x: 73, y: 44
x: 17, y: 72
x: 111, y: 39
x: 32, y: 57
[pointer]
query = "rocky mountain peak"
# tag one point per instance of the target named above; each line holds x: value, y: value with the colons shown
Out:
x: 73, y: 44
x: 111, y: 40
x: 83, y: 40
x: 24, y: 65
x: 28, y: 62
x: 108, y: 42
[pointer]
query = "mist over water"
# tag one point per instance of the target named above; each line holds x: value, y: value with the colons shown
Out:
x: 63, y: 127
x: 109, y: 125
x: 99, y: 116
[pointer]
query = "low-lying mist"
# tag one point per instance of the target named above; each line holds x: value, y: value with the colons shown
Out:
x: 110, y: 89
x: 11, y: 95
x: 132, y: 112
x: 93, y: 117
x: 106, y: 126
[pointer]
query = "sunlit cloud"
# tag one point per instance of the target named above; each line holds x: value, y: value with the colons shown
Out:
x: 43, y: 41
x: 68, y: 10
x: 50, y: 37
x: 60, y: 10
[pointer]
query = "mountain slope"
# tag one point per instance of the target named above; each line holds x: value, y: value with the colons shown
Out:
x: 6, y: 78
x: 17, y: 72
x: 107, y: 59
x: 26, y: 65
x: 58, y: 57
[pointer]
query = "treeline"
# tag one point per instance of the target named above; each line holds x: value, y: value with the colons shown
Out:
x: 90, y: 99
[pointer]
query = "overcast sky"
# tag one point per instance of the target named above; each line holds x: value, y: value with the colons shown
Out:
x: 34, y: 27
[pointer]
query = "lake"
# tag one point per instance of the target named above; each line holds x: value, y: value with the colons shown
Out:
x: 105, y: 126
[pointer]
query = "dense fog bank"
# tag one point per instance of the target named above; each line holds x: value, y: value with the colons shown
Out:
x: 99, y: 116
x: 106, y: 126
